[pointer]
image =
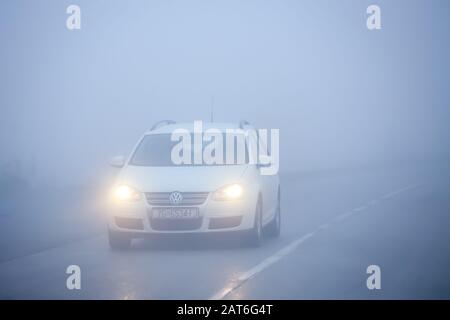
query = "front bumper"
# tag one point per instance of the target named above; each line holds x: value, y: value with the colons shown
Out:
x: 215, y: 216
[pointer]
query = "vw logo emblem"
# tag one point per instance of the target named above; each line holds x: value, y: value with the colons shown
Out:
x: 175, y: 197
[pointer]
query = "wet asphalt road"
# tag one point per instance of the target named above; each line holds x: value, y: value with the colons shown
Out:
x: 334, y: 225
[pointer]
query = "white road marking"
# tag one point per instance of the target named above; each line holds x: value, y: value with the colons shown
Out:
x: 344, y: 216
x: 394, y: 193
x: 261, y: 266
x: 267, y: 262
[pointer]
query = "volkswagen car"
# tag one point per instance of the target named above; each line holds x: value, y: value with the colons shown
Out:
x: 154, y: 195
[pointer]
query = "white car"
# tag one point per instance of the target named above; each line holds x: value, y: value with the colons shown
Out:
x: 152, y: 195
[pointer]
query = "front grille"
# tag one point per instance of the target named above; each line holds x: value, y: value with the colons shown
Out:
x: 189, y: 198
x: 175, y: 224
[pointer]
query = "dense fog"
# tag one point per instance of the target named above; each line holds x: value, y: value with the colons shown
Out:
x: 364, y: 123
x: 342, y: 95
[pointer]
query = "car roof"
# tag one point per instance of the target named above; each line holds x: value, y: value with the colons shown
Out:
x: 189, y: 126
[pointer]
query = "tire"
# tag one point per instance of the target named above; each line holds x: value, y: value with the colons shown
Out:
x: 273, y: 229
x: 255, y: 235
x: 118, y: 240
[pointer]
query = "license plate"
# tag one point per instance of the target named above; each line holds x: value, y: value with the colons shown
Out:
x: 175, y: 213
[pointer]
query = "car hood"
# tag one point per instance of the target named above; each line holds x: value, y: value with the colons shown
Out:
x: 185, y: 179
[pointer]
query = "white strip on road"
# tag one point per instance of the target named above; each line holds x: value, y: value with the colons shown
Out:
x: 247, y: 275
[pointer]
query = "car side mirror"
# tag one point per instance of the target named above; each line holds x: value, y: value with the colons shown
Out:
x: 117, y: 161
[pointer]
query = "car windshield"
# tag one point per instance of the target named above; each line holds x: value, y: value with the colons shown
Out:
x: 157, y: 150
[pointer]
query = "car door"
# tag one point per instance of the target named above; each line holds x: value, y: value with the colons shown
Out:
x: 269, y: 188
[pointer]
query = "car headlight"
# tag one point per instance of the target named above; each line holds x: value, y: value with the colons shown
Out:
x: 124, y: 192
x: 230, y: 192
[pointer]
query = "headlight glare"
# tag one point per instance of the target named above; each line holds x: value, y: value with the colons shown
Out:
x: 230, y: 192
x: 127, y: 193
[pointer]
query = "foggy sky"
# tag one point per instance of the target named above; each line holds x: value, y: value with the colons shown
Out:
x: 340, y: 94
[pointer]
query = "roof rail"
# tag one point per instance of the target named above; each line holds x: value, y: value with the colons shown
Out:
x: 243, y: 123
x: 162, y: 123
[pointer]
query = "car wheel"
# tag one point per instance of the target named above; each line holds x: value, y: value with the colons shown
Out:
x: 256, y: 234
x: 274, y: 227
x: 118, y: 240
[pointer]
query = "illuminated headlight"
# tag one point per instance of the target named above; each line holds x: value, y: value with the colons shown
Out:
x: 124, y: 192
x: 231, y: 192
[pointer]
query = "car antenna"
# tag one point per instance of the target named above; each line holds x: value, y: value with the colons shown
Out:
x: 212, y: 109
